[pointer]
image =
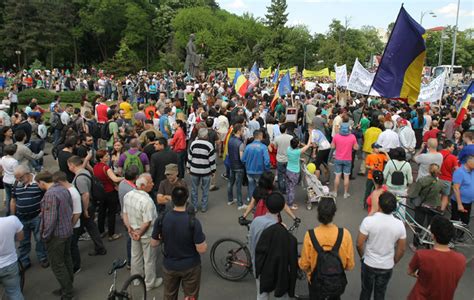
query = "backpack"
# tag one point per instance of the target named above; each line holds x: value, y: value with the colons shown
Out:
x: 133, y: 160
x: 97, y: 192
x: 329, y: 278
x: 94, y: 129
x: 105, y: 132
x: 398, y: 178
x: 55, y: 121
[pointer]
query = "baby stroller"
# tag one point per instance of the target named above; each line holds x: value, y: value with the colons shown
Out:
x: 314, y: 188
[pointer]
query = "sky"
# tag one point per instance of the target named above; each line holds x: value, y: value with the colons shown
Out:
x: 318, y: 14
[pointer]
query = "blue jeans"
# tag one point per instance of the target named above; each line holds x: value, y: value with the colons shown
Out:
x: 374, y: 280
x: 253, y: 181
x: 8, y: 196
x: 10, y: 279
x: 342, y: 166
x: 236, y: 177
x: 205, y: 182
x: 281, y: 167
x: 31, y: 227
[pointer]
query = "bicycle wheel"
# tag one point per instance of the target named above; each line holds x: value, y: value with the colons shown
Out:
x: 463, y: 241
x: 230, y: 259
x: 301, y: 286
x: 134, y: 288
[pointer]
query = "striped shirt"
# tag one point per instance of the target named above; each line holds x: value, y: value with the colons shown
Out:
x: 56, y: 213
x: 28, y: 200
x: 201, y: 158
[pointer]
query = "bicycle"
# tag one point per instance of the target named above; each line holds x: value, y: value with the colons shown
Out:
x: 463, y: 240
x: 22, y: 272
x: 133, y: 288
x: 231, y: 260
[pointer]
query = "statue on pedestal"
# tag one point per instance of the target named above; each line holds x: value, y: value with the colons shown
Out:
x: 191, y: 65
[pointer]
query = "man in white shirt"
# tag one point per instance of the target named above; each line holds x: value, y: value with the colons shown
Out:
x: 381, y: 244
x: 282, y: 142
x: 139, y: 214
x: 407, y: 137
x: 10, y: 227
x: 389, y: 138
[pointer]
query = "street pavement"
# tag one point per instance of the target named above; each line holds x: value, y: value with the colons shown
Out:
x: 220, y: 221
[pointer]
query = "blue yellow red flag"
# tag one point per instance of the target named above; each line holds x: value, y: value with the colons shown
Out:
x: 284, y: 88
x: 463, y: 107
x: 241, y: 83
x: 400, y: 70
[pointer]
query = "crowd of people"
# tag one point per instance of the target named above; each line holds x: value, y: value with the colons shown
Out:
x: 124, y: 156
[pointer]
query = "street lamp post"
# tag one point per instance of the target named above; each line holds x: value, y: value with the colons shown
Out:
x: 18, y: 53
x: 423, y: 13
x: 454, y: 44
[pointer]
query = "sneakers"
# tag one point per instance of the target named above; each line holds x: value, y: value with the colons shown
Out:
x: 85, y: 237
x: 158, y: 282
x: 232, y: 202
x: 114, y: 237
x: 77, y: 271
x: 213, y: 188
x: 346, y: 195
x: 242, y: 207
x: 224, y: 176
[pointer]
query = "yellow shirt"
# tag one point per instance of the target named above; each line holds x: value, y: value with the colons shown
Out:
x: 326, y: 236
x: 370, y: 136
x: 127, y: 109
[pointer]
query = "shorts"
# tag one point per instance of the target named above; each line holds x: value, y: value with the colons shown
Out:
x: 446, y: 191
x: 342, y: 166
x: 322, y: 158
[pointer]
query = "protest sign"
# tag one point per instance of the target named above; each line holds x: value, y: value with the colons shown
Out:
x: 321, y: 73
x: 360, y: 80
x: 231, y: 73
x: 433, y: 91
x: 309, y: 85
x: 341, y: 75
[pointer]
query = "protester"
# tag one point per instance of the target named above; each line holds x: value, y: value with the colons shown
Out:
x: 282, y: 142
x: 293, y: 168
x: 139, y: 213
x: 344, y: 143
x: 432, y: 156
x: 463, y: 191
x: 381, y: 244
x: 235, y: 150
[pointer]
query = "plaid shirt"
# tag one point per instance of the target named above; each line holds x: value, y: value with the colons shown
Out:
x: 140, y: 209
x: 56, y: 213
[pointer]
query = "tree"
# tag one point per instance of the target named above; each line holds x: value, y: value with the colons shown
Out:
x: 276, y: 16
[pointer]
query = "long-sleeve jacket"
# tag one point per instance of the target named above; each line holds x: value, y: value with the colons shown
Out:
x: 276, y: 261
x: 24, y: 155
x: 256, y: 158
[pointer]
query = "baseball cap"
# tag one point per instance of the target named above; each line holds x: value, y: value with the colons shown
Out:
x: 377, y: 146
x: 171, y: 169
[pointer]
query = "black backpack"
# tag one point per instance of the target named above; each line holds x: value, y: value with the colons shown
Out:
x: 105, y: 132
x: 94, y: 129
x: 398, y: 178
x: 97, y: 192
x: 329, y: 278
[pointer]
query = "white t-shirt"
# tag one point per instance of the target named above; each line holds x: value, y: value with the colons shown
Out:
x: 382, y: 232
x: 76, y: 204
x: 8, y: 164
x: 9, y: 226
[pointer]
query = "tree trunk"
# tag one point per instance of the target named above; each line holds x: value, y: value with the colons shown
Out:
x: 75, y: 51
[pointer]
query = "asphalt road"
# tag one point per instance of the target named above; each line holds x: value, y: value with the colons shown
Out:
x: 220, y: 221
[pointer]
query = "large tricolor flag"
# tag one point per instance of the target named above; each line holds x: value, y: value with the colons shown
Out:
x: 399, y: 72
x: 284, y: 88
x: 254, y: 76
x: 241, y: 84
x: 466, y: 99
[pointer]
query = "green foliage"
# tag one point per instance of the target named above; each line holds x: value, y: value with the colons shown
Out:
x: 276, y: 16
x: 46, y: 97
x: 125, y: 61
x: 36, y: 65
x: 464, y: 47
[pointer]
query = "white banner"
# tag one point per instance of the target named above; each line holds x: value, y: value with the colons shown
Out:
x: 341, y: 75
x: 309, y: 86
x: 432, y: 91
x: 361, y: 80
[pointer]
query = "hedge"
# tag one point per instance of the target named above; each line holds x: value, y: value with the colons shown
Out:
x: 46, y: 96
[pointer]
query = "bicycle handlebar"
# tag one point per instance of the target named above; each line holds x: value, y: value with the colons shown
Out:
x: 244, y: 222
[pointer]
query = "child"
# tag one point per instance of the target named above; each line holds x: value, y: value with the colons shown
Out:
x: 374, y: 161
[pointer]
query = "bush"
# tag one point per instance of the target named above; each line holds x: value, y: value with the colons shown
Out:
x: 46, y: 96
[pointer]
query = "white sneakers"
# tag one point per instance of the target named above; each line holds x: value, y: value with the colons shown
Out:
x: 346, y: 195
x: 158, y: 282
x: 242, y: 207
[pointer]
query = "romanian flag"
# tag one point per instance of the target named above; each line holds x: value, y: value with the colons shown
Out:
x: 254, y: 76
x: 241, y: 84
x: 466, y: 99
x: 400, y: 70
x: 284, y: 88
x: 276, y: 75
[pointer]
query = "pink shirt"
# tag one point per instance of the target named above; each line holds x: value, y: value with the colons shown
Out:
x: 344, y: 145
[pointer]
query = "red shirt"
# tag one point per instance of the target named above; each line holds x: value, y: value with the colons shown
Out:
x: 147, y: 111
x: 438, y: 274
x: 101, y: 111
x: 100, y: 172
x: 178, y: 142
x: 369, y: 199
x: 450, y: 162
x: 431, y: 134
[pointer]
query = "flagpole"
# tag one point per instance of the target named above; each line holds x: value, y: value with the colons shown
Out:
x: 383, y: 54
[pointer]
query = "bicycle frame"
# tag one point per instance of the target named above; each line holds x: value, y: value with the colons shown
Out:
x: 424, y: 236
